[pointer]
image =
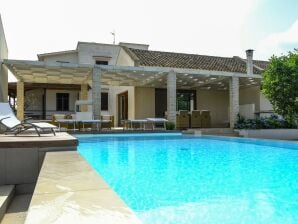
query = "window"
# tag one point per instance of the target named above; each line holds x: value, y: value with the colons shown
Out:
x: 104, y: 101
x: 98, y: 62
x: 62, y: 101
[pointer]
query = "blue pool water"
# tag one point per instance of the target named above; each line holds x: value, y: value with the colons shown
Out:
x: 187, y: 180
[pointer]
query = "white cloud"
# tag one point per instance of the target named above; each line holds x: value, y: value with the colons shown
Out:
x: 278, y: 43
x: 196, y: 26
x: 212, y: 27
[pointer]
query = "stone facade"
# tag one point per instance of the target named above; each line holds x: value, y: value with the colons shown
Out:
x: 96, y: 93
x: 171, y: 97
x: 20, y: 100
x: 234, y: 100
x: 84, y: 96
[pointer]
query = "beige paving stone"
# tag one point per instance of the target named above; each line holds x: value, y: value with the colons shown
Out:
x: 68, y: 190
x: 74, y: 181
x: 64, y: 167
x: 92, y: 206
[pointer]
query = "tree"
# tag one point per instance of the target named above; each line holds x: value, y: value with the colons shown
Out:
x: 280, y: 85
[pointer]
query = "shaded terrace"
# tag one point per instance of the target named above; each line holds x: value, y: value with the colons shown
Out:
x: 96, y: 76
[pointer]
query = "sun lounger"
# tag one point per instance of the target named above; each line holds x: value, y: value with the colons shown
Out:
x: 13, y: 124
x: 86, y: 117
x: 130, y: 124
x: 155, y: 121
x: 66, y: 121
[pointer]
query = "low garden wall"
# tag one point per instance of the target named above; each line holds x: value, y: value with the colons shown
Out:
x: 282, y: 134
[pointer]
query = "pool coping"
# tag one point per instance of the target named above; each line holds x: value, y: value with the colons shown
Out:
x: 62, y: 139
x: 69, y: 190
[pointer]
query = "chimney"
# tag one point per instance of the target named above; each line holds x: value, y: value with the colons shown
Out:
x: 249, y: 64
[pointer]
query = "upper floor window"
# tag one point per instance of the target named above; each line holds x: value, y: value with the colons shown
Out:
x: 99, y: 62
x: 62, y: 101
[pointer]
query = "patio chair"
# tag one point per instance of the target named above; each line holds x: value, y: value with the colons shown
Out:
x: 195, y: 120
x: 107, y: 121
x: 13, y: 124
x: 157, y: 121
x: 182, y: 119
x: 206, y: 119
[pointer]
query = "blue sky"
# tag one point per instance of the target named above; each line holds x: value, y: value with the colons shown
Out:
x: 213, y: 27
x: 272, y: 17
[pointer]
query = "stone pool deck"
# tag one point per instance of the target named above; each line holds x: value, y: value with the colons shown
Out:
x: 63, y: 187
x: 21, y: 157
x: 68, y: 190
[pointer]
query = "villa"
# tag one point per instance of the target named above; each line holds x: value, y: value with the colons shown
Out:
x: 119, y: 177
x: 133, y: 82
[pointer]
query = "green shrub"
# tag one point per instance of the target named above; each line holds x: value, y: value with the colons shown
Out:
x: 170, y: 126
x: 272, y: 122
x: 279, y: 84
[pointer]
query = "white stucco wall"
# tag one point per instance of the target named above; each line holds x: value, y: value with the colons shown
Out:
x: 265, y: 105
x: 218, y: 104
x: 3, y: 70
x: 144, y: 102
x: 67, y: 57
x: 124, y: 59
x: 87, y: 52
x: 250, y: 96
x: 253, y: 95
x: 113, y: 101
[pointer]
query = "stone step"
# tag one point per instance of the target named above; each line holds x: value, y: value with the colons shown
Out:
x: 225, y: 134
x: 213, y: 131
x: 6, y: 195
x: 217, y: 130
x: 17, y: 211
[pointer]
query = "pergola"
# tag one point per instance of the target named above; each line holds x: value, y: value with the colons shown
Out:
x: 113, y: 75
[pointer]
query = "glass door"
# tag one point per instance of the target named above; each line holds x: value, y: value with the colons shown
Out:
x: 122, y: 108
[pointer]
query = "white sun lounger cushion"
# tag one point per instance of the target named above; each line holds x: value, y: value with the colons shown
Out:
x: 89, y: 121
x: 43, y: 125
x: 157, y: 120
x: 66, y: 120
x: 138, y: 121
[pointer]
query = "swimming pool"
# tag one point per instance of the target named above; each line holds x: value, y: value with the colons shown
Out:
x: 178, y: 179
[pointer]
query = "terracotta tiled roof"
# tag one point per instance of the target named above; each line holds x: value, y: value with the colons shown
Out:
x: 261, y: 64
x: 192, y: 61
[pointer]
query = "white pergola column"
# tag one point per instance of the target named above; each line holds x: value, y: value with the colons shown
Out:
x: 234, y: 100
x: 84, y: 96
x: 20, y: 100
x: 171, y: 97
x: 96, y: 93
